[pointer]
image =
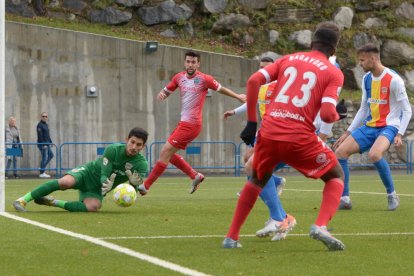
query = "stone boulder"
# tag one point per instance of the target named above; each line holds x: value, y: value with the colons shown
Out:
x: 228, y: 23
x: 167, y: 12
x: 408, y: 32
x: 130, y: 3
x: 409, y: 80
x: 273, y: 37
x: 110, y: 16
x: 360, y: 39
x: 405, y: 11
x: 395, y: 53
x: 374, y: 22
x: 302, y: 38
x: 343, y: 17
x: 20, y: 8
x: 215, y: 6
x: 74, y: 5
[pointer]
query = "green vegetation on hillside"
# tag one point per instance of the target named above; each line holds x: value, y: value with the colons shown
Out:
x: 230, y: 43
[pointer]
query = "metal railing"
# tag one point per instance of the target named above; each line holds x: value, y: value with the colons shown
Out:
x: 28, y: 157
x: 215, y: 156
x: 219, y: 156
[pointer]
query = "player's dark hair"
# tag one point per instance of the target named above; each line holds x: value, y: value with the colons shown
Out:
x: 139, y: 133
x: 192, y: 54
x: 266, y: 59
x: 326, y: 38
x: 368, y: 48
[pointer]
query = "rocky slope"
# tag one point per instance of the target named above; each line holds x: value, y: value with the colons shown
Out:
x: 251, y: 27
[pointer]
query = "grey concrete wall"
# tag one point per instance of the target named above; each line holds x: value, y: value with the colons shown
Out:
x: 48, y: 69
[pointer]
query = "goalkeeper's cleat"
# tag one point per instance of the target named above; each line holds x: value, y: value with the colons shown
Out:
x: 196, y: 182
x: 320, y: 233
x: 142, y: 190
x: 45, y: 200
x: 230, y: 243
x: 271, y: 228
x: 279, y: 188
x: 345, y: 203
x: 393, y: 201
x: 19, y: 205
x: 288, y: 224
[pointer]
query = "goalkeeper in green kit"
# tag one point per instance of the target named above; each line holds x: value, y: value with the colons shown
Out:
x: 120, y: 163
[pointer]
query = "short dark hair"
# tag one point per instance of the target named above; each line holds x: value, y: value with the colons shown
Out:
x: 266, y: 59
x: 139, y: 133
x: 368, y: 48
x: 326, y: 37
x: 192, y: 54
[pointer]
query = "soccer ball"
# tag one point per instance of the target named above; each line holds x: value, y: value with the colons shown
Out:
x: 124, y: 195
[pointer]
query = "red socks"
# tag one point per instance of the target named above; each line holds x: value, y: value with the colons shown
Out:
x: 245, y: 204
x: 159, y: 168
x: 330, y: 201
x: 181, y: 164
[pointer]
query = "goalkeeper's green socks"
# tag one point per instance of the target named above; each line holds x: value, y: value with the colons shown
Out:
x: 42, y: 190
x: 72, y: 206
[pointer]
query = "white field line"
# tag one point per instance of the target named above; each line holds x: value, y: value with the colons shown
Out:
x: 120, y: 249
x: 222, y: 236
x: 352, y: 192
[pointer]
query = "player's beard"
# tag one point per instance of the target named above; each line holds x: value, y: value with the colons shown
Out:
x: 191, y: 72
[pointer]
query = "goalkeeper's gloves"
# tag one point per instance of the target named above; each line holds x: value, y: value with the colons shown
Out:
x: 249, y: 132
x: 134, y: 178
x: 107, y: 184
x: 341, y: 109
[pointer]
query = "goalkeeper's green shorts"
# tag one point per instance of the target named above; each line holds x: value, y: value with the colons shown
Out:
x: 87, y: 183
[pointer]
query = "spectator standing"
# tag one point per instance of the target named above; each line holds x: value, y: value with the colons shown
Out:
x: 13, y: 140
x: 43, y: 138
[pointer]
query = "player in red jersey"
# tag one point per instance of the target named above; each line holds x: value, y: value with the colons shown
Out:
x: 193, y: 86
x: 306, y: 84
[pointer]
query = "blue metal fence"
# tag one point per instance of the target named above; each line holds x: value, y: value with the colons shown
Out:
x: 215, y: 156
x: 28, y: 157
x: 73, y: 154
x: 219, y: 156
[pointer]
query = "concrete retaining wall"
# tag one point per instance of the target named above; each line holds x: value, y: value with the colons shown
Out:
x: 48, y: 69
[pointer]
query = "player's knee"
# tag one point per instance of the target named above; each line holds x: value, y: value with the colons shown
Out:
x: 341, y: 153
x: 93, y: 205
x: 374, y: 156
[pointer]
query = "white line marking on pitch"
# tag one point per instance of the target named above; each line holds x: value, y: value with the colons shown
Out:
x: 222, y: 236
x: 97, y: 241
x: 365, y: 193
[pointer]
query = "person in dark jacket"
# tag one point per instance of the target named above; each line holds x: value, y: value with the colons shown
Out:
x: 43, y: 138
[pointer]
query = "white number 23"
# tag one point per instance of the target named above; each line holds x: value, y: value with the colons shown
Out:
x: 309, y: 80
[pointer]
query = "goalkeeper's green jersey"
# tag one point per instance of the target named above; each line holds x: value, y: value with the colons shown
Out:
x: 115, y: 160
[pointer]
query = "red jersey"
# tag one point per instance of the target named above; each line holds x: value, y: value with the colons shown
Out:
x: 193, y: 91
x: 305, y: 80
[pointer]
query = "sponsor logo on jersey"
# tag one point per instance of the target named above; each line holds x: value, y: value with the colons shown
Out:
x: 128, y: 166
x: 286, y: 114
x: 105, y: 161
x: 377, y: 101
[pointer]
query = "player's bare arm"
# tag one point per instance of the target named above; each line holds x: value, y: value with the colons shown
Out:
x: 162, y: 95
x: 398, y: 140
x: 341, y: 139
x: 228, y: 113
x: 226, y: 91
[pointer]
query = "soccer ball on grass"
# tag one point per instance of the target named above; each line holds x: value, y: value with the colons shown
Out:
x: 124, y: 195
